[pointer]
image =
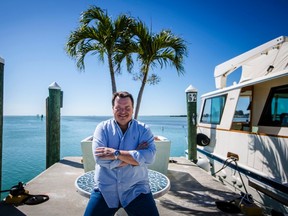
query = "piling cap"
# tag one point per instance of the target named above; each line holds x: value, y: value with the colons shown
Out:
x: 2, y: 60
x: 191, y: 89
x: 54, y: 85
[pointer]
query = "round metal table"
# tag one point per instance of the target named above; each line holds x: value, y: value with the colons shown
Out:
x: 159, y: 183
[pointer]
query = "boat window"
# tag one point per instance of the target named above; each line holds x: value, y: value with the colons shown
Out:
x: 241, y: 119
x: 213, y: 109
x: 275, y: 112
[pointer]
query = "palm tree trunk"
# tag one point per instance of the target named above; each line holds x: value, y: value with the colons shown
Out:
x: 139, y: 97
x: 112, y: 74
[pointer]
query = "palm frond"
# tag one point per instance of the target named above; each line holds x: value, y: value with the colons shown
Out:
x: 94, y: 14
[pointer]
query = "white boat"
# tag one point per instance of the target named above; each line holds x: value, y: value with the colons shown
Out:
x: 242, y: 130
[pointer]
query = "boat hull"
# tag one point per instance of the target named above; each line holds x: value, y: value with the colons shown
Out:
x: 262, y: 168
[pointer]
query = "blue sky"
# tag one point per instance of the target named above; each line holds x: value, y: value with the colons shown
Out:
x: 33, y: 36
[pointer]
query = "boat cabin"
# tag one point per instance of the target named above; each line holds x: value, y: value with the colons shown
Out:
x: 249, y: 122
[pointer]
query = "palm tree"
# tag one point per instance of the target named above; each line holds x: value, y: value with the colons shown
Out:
x: 152, y: 50
x: 99, y: 35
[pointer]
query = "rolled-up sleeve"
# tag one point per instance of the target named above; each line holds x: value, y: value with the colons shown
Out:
x: 145, y: 156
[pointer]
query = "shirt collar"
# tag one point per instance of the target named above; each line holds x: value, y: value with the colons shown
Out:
x: 118, y: 126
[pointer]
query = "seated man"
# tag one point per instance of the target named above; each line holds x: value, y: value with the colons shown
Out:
x: 123, y: 147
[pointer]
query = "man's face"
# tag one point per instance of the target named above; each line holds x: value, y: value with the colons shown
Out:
x: 123, y: 111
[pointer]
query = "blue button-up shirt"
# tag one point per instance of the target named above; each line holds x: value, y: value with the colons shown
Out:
x: 123, y: 184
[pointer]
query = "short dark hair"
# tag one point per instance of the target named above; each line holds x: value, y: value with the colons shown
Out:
x: 122, y: 94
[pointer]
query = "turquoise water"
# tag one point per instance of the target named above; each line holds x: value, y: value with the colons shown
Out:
x: 24, y: 141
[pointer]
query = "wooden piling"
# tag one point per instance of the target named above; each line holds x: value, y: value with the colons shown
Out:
x: 53, y: 116
x: 191, y: 98
x: 1, y: 115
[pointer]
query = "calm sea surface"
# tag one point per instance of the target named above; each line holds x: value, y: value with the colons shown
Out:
x: 24, y: 141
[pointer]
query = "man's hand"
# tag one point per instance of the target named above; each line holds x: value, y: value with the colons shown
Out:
x: 105, y: 153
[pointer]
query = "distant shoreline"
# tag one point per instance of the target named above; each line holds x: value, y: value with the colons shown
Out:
x: 178, y: 116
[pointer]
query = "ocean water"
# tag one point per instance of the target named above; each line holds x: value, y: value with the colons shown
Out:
x: 24, y: 141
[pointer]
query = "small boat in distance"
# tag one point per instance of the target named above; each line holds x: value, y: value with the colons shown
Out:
x: 242, y: 130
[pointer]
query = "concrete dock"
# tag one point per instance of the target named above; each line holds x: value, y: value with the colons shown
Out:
x: 193, y: 191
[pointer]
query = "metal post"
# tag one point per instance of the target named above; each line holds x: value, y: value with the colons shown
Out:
x: 53, y: 105
x: 1, y: 115
x: 191, y: 97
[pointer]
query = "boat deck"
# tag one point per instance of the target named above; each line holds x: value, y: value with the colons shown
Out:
x: 193, y: 191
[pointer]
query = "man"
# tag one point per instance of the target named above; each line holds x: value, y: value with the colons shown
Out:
x: 123, y: 147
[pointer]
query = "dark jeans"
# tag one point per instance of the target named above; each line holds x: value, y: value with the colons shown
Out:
x: 142, y: 205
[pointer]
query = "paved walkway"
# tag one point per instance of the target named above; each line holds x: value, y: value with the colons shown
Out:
x: 192, y: 192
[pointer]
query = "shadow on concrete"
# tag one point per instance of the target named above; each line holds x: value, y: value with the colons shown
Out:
x: 71, y: 163
x: 9, y: 210
x: 188, y: 196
